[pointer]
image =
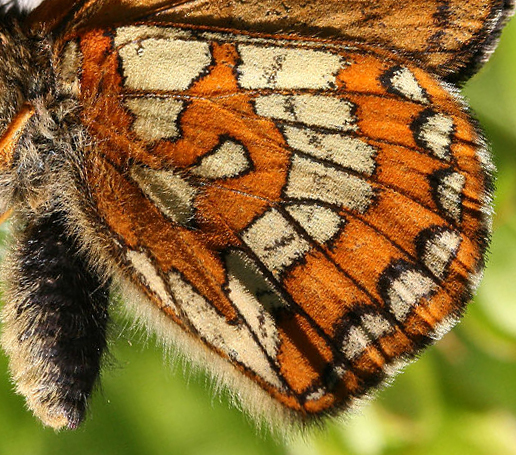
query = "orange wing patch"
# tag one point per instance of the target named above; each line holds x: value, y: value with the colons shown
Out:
x: 312, y: 226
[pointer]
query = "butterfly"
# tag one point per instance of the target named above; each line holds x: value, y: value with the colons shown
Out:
x: 291, y: 193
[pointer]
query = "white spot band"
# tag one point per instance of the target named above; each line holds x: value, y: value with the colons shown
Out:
x: 287, y: 68
x: 312, y: 110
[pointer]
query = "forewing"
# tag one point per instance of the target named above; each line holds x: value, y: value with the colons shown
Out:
x: 313, y: 213
x: 451, y: 39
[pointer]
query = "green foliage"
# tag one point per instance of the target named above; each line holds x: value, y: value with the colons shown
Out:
x: 459, y: 398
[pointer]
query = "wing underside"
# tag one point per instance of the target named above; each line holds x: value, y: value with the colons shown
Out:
x: 451, y: 39
x: 310, y: 227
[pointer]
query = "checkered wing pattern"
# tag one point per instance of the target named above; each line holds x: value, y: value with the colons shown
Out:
x: 304, y: 216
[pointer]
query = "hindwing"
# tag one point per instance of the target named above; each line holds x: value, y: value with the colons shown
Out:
x: 313, y: 213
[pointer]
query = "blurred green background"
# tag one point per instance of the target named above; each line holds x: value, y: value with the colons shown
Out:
x: 459, y: 398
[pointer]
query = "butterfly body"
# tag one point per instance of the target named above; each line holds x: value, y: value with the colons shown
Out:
x: 55, y: 326
x: 302, y: 215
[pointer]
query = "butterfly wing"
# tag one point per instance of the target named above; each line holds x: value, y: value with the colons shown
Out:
x: 451, y: 40
x: 301, y: 215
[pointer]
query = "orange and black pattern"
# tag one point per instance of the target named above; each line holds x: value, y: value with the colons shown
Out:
x: 300, y: 212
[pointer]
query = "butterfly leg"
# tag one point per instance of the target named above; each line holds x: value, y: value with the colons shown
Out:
x: 55, y: 320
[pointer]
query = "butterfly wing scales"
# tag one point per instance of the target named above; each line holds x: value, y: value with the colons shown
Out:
x: 449, y: 39
x: 452, y: 41
x: 313, y: 233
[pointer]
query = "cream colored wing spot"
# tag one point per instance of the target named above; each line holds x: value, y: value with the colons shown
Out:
x: 153, y: 281
x: 155, y: 118
x: 403, y: 289
x: 339, y: 371
x: 255, y: 298
x: 439, y: 249
x: 228, y: 159
x: 433, y: 131
x: 348, y: 152
x: 401, y: 81
x: 163, y: 64
x: 286, y: 68
x: 320, y: 223
x: 172, y: 194
x: 355, y: 343
x: 236, y: 341
x: 316, y: 394
x: 313, y: 110
x: 375, y: 325
x: 275, y: 241
x: 447, y: 191
x: 312, y: 180
x: 450, y: 194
